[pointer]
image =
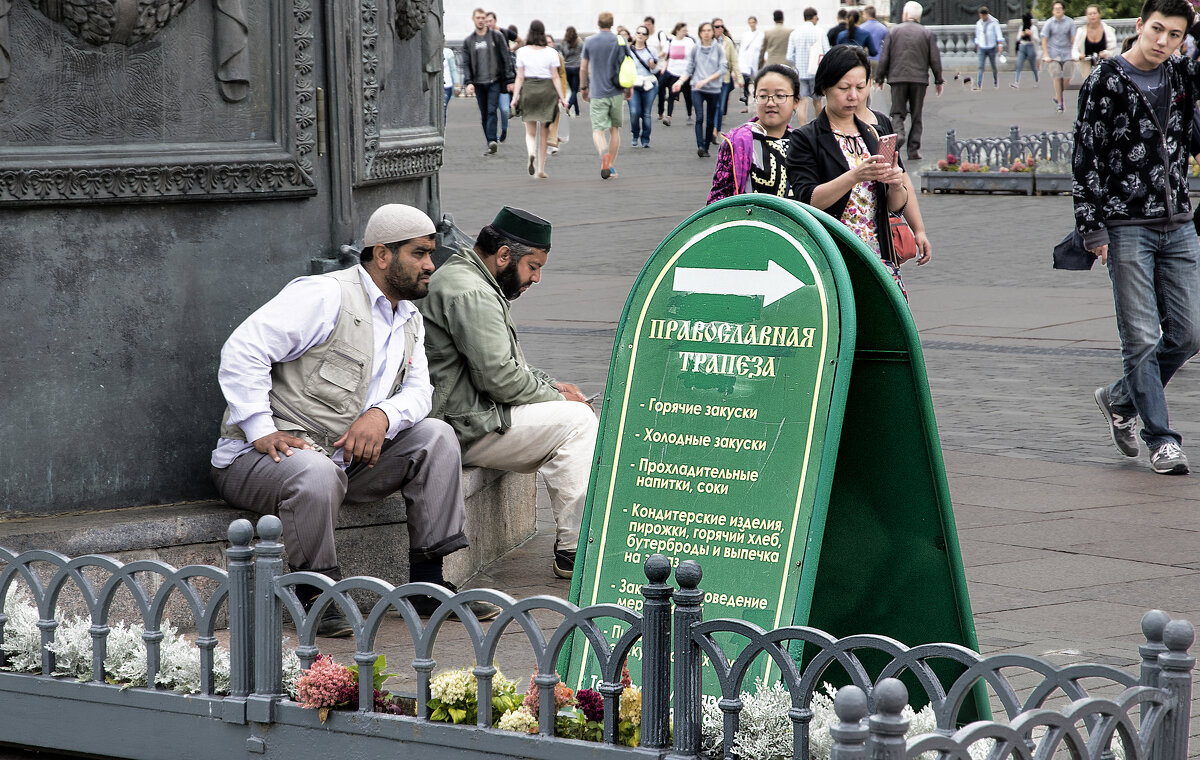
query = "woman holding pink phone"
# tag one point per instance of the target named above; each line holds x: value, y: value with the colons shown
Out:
x: 834, y: 161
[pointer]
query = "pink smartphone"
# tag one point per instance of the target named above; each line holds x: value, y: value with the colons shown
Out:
x: 887, y: 148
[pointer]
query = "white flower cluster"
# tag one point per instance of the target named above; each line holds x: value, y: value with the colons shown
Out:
x: 453, y: 686
x: 125, y: 655
x: 765, y: 730
x: 521, y: 719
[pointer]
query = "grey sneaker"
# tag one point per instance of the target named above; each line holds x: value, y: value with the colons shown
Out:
x: 1123, y: 429
x: 1169, y: 459
x: 491, y: 147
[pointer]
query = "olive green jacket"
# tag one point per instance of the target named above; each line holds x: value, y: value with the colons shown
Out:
x: 475, y: 361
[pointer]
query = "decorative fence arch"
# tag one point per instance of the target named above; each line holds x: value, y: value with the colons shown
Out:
x: 1149, y: 716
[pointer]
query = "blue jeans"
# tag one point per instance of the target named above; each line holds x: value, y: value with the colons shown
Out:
x: 573, y: 83
x: 984, y: 56
x: 726, y: 88
x: 641, y: 113
x: 1156, y: 288
x: 447, y: 92
x: 488, y: 98
x: 505, y: 102
x: 1027, y: 52
x: 704, y: 104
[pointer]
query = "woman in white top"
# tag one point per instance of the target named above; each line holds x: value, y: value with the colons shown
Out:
x: 537, y: 93
x: 1028, y: 46
x: 678, y: 53
x: 1093, y: 41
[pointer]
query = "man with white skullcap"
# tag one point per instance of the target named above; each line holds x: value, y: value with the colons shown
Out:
x: 328, y: 396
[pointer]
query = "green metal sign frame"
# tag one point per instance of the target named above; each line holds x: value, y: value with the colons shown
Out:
x: 767, y: 413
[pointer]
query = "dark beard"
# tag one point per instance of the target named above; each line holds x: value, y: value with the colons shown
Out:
x: 406, y: 288
x: 509, y: 281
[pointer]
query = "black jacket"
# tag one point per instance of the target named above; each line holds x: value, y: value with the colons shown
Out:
x: 814, y: 158
x: 1129, y: 168
x: 505, y: 70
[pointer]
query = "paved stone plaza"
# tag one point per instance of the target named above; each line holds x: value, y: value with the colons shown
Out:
x: 1066, y: 541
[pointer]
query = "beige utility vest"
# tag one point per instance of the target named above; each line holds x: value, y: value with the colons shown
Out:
x: 319, y: 394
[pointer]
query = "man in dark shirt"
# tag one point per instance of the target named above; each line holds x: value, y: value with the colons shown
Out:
x: 489, y: 73
x: 1132, y: 210
x: 842, y: 14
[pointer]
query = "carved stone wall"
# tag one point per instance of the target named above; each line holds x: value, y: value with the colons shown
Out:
x: 160, y: 178
x: 154, y: 119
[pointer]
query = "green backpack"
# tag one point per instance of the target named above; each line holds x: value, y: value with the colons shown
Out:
x: 627, y: 73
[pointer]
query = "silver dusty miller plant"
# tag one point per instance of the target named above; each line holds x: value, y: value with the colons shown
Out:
x: 125, y: 658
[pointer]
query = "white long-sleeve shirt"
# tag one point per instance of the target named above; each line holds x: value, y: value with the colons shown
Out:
x: 300, y: 317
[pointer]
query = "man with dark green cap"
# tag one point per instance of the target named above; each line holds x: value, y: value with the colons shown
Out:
x: 507, y: 415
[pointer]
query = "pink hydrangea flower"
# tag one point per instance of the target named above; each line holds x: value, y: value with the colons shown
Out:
x: 326, y: 684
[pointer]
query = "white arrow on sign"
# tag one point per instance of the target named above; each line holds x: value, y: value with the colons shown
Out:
x: 772, y: 285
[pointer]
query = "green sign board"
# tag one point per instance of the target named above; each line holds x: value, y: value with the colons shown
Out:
x: 716, y: 426
x: 768, y: 414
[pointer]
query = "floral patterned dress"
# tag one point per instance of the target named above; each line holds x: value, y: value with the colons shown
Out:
x: 859, y: 216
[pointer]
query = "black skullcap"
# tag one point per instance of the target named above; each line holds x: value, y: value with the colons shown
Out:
x: 523, y: 227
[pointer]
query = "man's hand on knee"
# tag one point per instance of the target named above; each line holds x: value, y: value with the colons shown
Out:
x: 279, y: 442
x: 364, y: 440
x: 571, y: 393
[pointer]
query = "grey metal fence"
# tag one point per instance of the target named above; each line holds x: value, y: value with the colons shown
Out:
x: 1149, y: 716
x: 1002, y: 151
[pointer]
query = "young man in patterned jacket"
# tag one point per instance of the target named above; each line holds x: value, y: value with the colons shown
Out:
x: 1132, y: 209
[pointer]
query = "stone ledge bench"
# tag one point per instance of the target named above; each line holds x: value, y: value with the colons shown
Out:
x: 371, y: 539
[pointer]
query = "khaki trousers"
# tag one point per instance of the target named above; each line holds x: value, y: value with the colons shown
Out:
x: 307, y: 489
x: 556, y: 439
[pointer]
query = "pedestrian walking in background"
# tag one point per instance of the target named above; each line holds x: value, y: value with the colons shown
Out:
x: 679, y: 52
x: 878, y: 32
x: 514, y: 42
x: 571, y: 48
x: 599, y: 64
x: 774, y: 45
x: 537, y: 94
x: 910, y: 53
x: 560, y: 128
x: 1094, y: 41
x: 806, y: 45
x: 833, y: 162
x: 733, y: 73
x: 748, y: 52
x: 837, y: 28
x: 989, y: 41
x: 659, y: 42
x: 449, y: 80
x: 1028, y: 45
x: 1058, y: 41
x: 751, y: 157
x: 1132, y: 209
x: 641, y: 104
x: 704, y: 69
x: 489, y: 73
x: 854, y: 34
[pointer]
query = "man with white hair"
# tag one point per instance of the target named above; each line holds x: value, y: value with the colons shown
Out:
x: 328, y: 396
x: 909, y: 53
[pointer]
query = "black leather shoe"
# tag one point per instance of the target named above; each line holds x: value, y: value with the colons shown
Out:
x: 333, y: 624
x: 426, y: 605
x: 564, y: 563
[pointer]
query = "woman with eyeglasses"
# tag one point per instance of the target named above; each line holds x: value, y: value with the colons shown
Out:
x: 641, y: 103
x: 705, y: 66
x: 751, y: 157
x: 833, y: 162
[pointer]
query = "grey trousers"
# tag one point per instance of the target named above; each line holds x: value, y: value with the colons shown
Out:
x: 306, y: 490
x: 908, y: 100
